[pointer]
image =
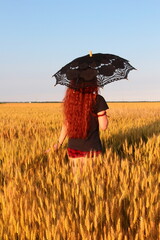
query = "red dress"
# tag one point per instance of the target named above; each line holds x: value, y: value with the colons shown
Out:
x: 73, y: 153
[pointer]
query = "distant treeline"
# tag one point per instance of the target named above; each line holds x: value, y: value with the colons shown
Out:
x: 30, y: 102
x: 107, y: 101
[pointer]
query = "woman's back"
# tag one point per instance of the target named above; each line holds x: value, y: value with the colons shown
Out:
x: 92, y: 140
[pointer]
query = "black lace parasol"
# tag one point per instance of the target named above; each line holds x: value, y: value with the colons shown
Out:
x: 93, y: 70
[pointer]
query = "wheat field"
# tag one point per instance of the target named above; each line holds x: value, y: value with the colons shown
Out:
x: 117, y: 195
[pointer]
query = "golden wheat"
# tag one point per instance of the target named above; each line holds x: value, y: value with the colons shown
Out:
x: 116, y: 196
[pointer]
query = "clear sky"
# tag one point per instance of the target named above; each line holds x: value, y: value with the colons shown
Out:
x: 38, y: 37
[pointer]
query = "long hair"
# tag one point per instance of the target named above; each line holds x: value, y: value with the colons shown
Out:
x: 78, y: 105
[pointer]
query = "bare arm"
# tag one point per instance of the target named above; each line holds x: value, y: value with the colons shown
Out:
x: 61, y: 139
x: 63, y: 134
x: 103, y: 120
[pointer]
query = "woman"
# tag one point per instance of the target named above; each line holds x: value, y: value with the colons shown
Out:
x: 84, y: 113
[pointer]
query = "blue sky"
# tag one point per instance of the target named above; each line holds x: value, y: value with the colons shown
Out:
x: 38, y: 37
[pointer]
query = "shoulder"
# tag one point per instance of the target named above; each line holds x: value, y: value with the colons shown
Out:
x: 100, y: 98
x: 101, y: 104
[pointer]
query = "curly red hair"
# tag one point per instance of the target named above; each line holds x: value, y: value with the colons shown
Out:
x: 78, y: 105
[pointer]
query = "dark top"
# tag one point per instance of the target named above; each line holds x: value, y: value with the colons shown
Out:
x: 92, y: 142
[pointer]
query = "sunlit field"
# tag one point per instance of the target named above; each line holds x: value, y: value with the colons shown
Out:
x: 117, y: 195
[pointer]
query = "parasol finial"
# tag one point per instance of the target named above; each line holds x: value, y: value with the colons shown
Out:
x: 90, y: 53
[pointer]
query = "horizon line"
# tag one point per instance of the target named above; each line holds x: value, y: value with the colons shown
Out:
x: 1, y: 102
